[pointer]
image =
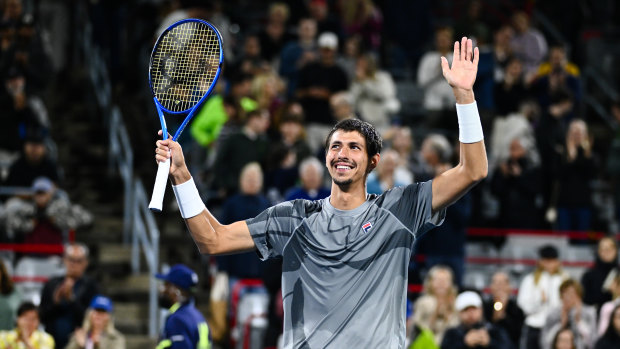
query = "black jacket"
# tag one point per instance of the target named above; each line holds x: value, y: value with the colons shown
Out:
x: 511, y: 323
x: 592, y: 282
x: 61, y: 319
x: 455, y: 337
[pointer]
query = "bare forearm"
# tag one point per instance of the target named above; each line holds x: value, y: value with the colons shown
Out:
x: 202, y: 227
x: 474, y: 161
x: 204, y: 231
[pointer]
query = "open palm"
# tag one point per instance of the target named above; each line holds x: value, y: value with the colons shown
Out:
x: 462, y: 74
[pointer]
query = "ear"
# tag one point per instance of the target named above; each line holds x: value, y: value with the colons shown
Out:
x: 374, y: 161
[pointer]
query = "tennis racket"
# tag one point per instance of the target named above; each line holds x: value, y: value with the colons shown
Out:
x: 185, y: 65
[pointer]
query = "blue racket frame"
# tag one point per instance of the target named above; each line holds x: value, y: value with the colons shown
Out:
x: 164, y: 167
x: 160, y: 108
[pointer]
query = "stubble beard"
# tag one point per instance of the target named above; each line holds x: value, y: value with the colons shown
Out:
x: 344, y: 184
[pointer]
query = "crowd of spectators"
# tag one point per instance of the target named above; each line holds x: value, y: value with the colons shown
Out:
x: 293, y: 69
x: 71, y: 313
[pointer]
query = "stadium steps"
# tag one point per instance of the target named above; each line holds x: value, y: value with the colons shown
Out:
x: 130, y: 316
x: 82, y: 151
x: 140, y: 342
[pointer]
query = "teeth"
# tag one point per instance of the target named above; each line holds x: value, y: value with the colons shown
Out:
x: 343, y: 167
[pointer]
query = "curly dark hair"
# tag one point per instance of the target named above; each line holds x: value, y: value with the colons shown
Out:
x: 373, y: 139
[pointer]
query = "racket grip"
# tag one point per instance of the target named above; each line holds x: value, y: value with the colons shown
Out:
x: 157, y: 199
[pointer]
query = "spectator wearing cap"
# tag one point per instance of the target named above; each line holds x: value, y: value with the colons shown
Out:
x: 318, y: 81
x: 44, y: 217
x: 98, y: 330
x: 573, y: 314
x: 185, y: 327
x: 64, y: 299
x: 473, y: 331
x: 539, y: 293
x: 33, y: 162
x: 27, y: 333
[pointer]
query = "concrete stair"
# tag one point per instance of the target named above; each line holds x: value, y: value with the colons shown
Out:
x: 131, y: 317
x: 140, y: 341
x: 82, y: 144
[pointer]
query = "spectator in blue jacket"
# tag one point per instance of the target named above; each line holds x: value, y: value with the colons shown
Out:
x: 185, y: 327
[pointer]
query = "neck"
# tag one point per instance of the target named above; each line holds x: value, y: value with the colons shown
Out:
x: 347, y: 197
x: 250, y: 133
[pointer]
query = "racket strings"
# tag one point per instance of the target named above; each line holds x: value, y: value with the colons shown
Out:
x: 184, y: 65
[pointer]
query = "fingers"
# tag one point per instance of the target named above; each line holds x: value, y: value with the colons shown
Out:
x: 476, y: 56
x: 445, y: 67
x: 159, y: 133
x: 162, y: 149
x: 464, y: 50
x: 456, y: 55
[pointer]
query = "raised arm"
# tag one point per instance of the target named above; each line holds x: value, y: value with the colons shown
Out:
x: 210, y: 236
x: 473, y: 167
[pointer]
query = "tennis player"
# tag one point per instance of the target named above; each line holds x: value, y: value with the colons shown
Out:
x: 345, y: 258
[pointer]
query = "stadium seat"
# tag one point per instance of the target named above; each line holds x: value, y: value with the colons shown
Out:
x: 31, y: 273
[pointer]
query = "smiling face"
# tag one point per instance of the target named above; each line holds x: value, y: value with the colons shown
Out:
x: 347, y: 158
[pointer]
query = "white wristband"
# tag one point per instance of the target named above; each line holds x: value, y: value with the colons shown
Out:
x: 190, y: 202
x: 470, y: 128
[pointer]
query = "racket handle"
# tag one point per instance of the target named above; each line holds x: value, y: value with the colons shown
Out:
x: 157, y: 199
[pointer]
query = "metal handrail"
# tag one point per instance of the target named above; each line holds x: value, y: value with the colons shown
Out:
x: 145, y: 237
x: 139, y: 225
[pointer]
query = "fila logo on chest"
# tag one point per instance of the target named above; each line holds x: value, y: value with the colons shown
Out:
x: 366, y: 227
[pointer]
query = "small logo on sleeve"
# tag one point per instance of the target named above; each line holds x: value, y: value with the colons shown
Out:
x: 366, y: 227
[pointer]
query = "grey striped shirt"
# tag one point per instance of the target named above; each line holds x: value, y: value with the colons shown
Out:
x: 344, y: 280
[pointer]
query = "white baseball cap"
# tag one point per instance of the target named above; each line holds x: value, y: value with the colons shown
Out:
x: 467, y: 299
x: 328, y: 40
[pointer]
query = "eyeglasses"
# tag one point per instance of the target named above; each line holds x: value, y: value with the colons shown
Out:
x: 76, y: 260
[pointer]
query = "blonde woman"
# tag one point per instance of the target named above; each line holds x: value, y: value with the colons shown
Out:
x: 434, y: 310
x: 267, y: 91
x: 98, y: 330
x: 539, y: 293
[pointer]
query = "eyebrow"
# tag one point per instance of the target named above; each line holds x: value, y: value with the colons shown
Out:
x: 349, y: 143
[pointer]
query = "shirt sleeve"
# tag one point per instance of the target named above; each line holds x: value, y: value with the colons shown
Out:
x: 178, y: 334
x: 413, y: 206
x: 272, y: 229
